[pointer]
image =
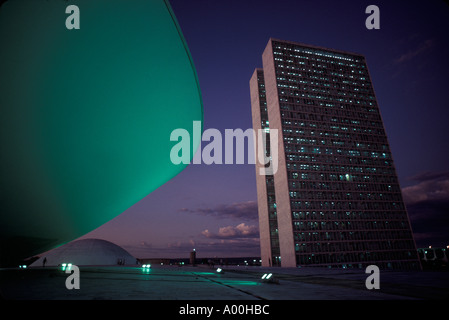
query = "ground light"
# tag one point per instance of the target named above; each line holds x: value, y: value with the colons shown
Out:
x: 146, y: 268
x: 65, y: 266
x: 268, y: 278
x: 220, y: 270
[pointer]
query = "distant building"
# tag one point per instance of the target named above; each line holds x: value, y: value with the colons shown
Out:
x: 335, y: 199
x: 434, y: 258
x: 193, y: 257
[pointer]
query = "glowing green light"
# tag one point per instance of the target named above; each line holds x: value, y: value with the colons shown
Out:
x: 204, y: 273
x: 86, y: 115
x: 239, y: 283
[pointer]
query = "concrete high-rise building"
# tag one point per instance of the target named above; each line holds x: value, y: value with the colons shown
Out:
x: 335, y: 199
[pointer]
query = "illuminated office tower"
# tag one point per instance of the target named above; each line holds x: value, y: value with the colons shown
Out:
x: 335, y: 199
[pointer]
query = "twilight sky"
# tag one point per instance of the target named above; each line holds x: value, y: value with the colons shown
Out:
x: 212, y: 208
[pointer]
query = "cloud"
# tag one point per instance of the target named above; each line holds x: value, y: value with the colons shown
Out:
x: 145, y: 244
x: 429, y: 176
x: 240, y: 231
x: 240, y: 210
x: 430, y: 187
x: 423, y: 47
x: 427, y: 204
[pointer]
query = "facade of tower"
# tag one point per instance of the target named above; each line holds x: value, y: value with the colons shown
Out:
x: 335, y: 198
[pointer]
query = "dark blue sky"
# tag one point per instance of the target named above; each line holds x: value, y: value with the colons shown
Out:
x: 213, y: 208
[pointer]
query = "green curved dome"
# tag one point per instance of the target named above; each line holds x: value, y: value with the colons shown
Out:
x: 86, y: 114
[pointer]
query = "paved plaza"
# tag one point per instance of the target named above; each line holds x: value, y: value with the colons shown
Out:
x: 235, y: 283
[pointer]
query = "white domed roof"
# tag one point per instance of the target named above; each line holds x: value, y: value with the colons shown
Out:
x: 87, y: 252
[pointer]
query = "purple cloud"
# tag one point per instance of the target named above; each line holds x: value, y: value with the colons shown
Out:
x: 423, y: 47
x: 240, y: 231
x: 240, y: 210
x: 427, y: 204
